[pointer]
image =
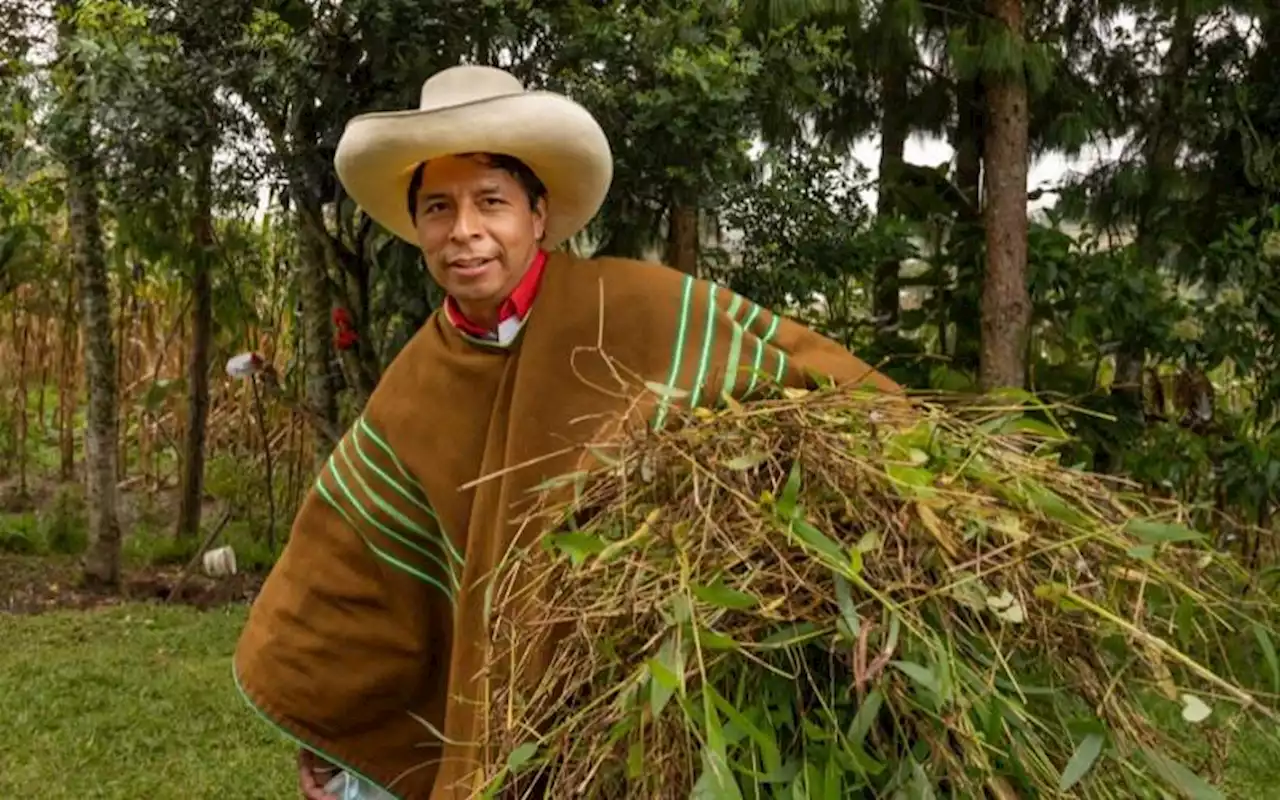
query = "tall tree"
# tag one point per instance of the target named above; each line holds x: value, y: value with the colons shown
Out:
x: 191, y: 492
x: 194, y: 125
x: 1163, y: 133
x: 681, y: 90
x: 878, y: 85
x: 1006, y: 302
x: 74, y: 142
x: 895, y: 66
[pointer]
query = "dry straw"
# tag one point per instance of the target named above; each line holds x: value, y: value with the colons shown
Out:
x: 833, y: 595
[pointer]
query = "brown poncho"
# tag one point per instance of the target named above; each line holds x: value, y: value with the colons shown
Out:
x: 368, y: 640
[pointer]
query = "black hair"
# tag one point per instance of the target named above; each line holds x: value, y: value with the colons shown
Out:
x: 531, y: 183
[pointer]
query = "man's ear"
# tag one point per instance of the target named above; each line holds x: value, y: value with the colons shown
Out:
x: 540, y: 220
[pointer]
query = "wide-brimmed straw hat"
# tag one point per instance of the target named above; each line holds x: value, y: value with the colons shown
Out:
x: 471, y: 109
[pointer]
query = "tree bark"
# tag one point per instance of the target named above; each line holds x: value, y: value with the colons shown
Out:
x: 102, y: 560
x: 968, y: 147
x: 955, y: 304
x: 20, y: 404
x: 316, y: 336
x: 192, y: 490
x: 682, y: 238
x: 67, y: 385
x: 1006, y: 303
x: 886, y: 301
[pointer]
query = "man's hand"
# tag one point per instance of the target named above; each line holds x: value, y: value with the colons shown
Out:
x: 313, y: 773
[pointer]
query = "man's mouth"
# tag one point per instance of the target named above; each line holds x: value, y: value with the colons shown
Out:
x: 469, y: 267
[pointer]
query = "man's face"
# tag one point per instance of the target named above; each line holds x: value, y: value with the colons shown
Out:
x: 477, y: 231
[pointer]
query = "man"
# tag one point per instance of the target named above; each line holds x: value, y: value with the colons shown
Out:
x: 368, y: 643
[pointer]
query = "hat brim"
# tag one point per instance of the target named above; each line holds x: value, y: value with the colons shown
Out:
x: 557, y: 138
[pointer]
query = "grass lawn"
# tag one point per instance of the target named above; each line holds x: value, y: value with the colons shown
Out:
x: 135, y: 701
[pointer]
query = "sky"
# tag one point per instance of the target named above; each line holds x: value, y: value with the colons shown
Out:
x: 1045, y: 172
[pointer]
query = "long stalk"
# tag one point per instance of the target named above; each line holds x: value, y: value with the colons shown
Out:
x: 266, y: 454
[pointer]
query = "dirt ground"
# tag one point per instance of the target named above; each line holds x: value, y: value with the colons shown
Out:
x: 34, y: 584
x: 31, y: 584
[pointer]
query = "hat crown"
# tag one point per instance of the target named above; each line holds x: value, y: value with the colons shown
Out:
x: 467, y: 84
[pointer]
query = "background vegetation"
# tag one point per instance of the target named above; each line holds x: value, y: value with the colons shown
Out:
x: 167, y: 202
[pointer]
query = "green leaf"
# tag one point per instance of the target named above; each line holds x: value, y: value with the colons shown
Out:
x: 911, y: 481
x: 717, y: 594
x: 790, y: 635
x: 1152, y: 532
x: 1013, y: 395
x: 1142, y: 552
x: 970, y: 591
x: 1181, y: 778
x: 635, y: 760
x: 521, y: 755
x: 785, y: 775
x: 681, y: 609
x: 920, y: 787
x: 789, y: 501
x: 1050, y: 504
x: 855, y: 561
x: 1034, y: 427
x: 895, y: 628
x: 764, y: 739
x: 578, y: 546
x: 747, y: 461
x: 716, y: 781
x: 667, y: 671
x: 715, y: 641
x: 1269, y: 653
x: 865, y: 717
x: 919, y: 674
x: 818, y: 540
x: 1082, y: 761
x: 844, y: 599
x: 994, y: 426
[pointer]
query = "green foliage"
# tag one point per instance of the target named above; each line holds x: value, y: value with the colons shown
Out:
x: 20, y: 534
x: 60, y: 527
x: 681, y: 91
x: 808, y: 241
x: 157, y: 547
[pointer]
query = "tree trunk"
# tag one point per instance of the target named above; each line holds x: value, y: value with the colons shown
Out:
x: 1006, y: 304
x: 67, y: 389
x: 192, y: 489
x: 968, y: 147
x: 956, y: 304
x: 682, y: 238
x: 886, y: 299
x: 321, y: 398
x: 20, y: 323
x: 102, y: 561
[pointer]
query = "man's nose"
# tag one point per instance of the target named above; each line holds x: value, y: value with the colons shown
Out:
x: 466, y: 222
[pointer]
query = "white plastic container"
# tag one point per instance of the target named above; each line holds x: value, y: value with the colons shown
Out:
x: 220, y: 563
